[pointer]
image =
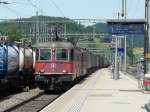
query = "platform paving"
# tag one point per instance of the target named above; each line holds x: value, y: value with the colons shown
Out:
x: 100, y: 93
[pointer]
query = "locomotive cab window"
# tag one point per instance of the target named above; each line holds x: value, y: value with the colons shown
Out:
x: 45, y: 54
x: 62, y: 54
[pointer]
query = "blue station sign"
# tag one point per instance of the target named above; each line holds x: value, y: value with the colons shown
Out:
x: 119, y: 50
x: 141, y: 58
x: 123, y: 27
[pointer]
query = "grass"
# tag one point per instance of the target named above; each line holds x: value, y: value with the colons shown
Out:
x: 97, y: 44
x: 94, y: 44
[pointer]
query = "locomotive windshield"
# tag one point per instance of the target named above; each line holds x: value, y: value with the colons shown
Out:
x: 62, y: 54
x: 45, y: 54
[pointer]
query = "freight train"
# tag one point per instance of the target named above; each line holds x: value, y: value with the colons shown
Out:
x: 16, y: 66
x: 58, y: 64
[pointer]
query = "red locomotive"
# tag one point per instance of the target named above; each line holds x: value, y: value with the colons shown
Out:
x: 60, y: 63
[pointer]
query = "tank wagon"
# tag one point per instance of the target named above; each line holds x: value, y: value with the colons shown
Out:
x: 60, y: 63
x: 16, y: 66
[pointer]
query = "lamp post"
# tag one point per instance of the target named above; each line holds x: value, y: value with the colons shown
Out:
x: 147, y: 33
x: 124, y: 14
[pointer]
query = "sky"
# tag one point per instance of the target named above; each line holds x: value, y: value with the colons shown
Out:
x: 74, y: 9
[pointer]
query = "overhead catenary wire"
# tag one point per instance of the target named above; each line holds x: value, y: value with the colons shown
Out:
x: 130, y: 6
x: 11, y: 10
x: 135, y: 8
x: 19, y: 3
x: 33, y: 5
x: 57, y: 7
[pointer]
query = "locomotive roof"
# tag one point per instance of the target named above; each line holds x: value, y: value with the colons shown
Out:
x: 54, y: 44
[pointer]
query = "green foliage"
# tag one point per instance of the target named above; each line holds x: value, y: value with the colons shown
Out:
x: 24, y: 27
x: 95, y: 43
x: 13, y: 34
x: 136, y: 41
x: 13, y: 31
x: 130, y: 54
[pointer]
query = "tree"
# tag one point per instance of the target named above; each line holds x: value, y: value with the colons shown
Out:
x: 130, y: 54
x: 13, y: 35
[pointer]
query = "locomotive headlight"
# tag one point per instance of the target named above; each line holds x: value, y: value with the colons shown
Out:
x: 64, y: 71
x: 42, y: 71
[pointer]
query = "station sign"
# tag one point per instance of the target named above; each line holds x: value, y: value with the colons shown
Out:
x: 126, y: 27
x: 119, y: 50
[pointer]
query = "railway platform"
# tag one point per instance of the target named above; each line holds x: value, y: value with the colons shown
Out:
x: 100, y: 93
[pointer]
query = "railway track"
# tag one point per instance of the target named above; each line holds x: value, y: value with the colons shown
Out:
x: 5, y: 94
x: 34, y: 104
x: 135, y: 71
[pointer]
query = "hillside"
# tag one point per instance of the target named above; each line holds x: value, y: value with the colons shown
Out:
x: 14, y: 30
x: 95, y: 44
